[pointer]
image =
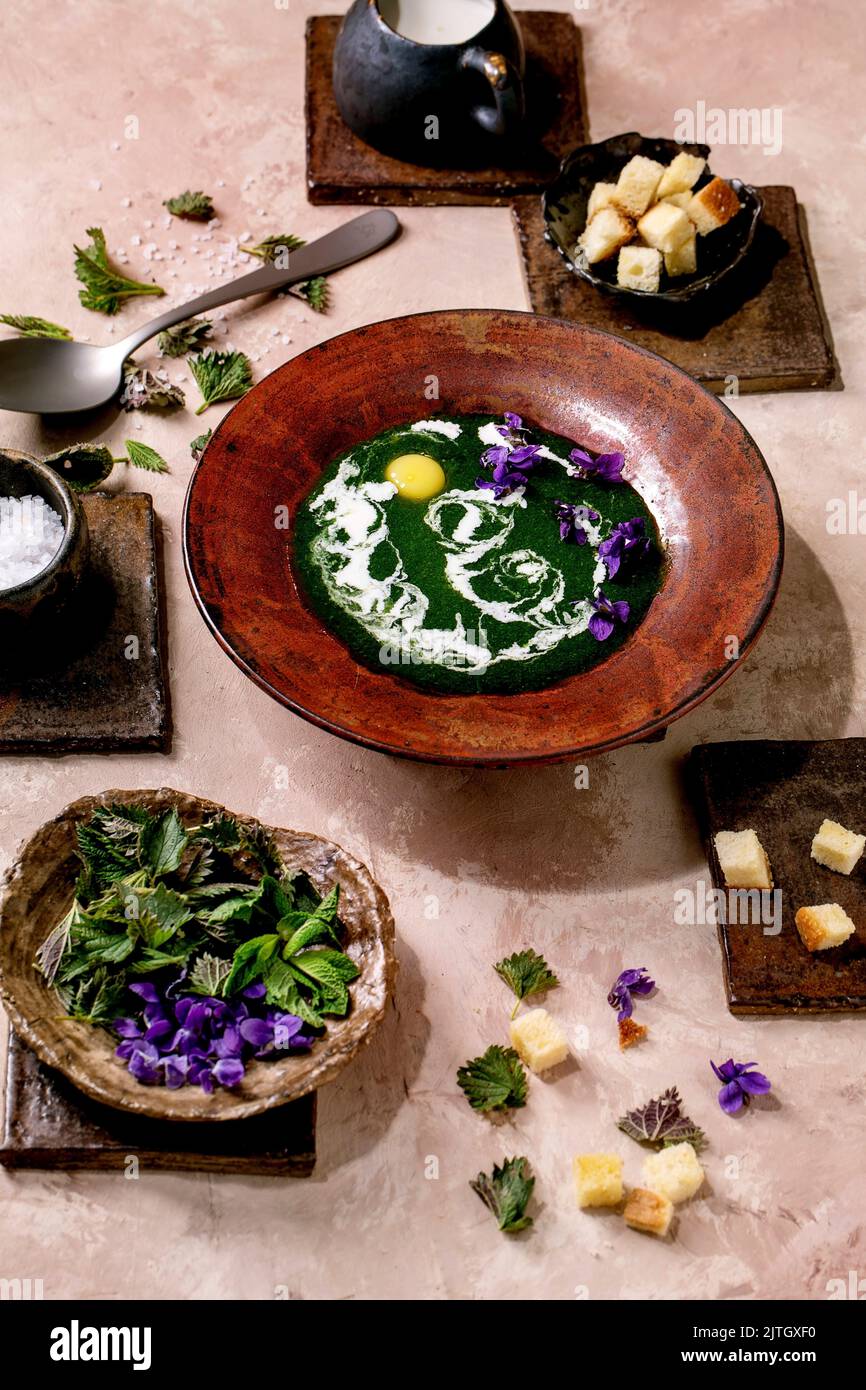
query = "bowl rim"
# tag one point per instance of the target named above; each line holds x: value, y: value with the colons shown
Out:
x: 673, y: 294
x: 149, y: 1100
x: 651, y: 726
x: 71, y: 518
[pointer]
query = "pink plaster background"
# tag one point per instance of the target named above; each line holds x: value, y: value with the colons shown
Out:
x: 505, y: 859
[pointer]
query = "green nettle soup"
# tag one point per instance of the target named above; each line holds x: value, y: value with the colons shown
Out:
x: 475, y: 554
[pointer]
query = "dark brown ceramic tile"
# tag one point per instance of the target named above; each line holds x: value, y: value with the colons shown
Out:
x: 48, y: 1124
x: 783, y: 791
x: 342, y: 169
x: 765, y: 325
x: 95, y: 696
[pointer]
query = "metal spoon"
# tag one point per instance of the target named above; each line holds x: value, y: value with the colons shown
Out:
x: 49, y: 376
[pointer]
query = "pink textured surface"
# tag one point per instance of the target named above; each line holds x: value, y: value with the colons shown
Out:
x: 475, y: 865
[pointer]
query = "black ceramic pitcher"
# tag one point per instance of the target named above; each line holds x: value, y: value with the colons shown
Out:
x: 426, y: 101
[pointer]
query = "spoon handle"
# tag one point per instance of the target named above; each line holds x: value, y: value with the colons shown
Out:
x: 351, y: 242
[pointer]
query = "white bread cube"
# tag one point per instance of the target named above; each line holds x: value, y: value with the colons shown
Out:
x: 742, y: 859
x: 679, y: 200
x: 601, y: 197
x: 664, y: 227
x: 648, y: 1211
x: 637, y: 184
x: 639, y: 268
x: 713, y: 206
x: 598, y: 1180
x: 823, y: 926
x: 681, y: 174
x: 683, y: 260
x: 538, y: 1040
x: 606, y: 233
x: 674, y: 1173
x: 834, y: 846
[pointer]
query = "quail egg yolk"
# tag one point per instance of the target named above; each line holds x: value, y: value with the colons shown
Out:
x: 416, y: 476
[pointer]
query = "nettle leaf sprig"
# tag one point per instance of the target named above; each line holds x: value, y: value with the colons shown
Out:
x: 213, y: 902
x: 661, y: 1122
x: 276, y: 250
x: 526, y: 973
x: 221, y: 376
x: 104, y: 286
x: 196, y: 207
x: 85, y: 466
x: 494, y: 1081
x: 506, y: 1192
x: 30, y: 326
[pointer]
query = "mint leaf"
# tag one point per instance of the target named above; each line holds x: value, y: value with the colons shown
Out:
x: 28, y: 326
x: 198, y: 207
x: 162, y: 843
x: 250, y: 961
x: 104, y: 286
x: 526, y: 973
x: 507, y: 1192
x: 494, y: 1081
x: 661, y: 1122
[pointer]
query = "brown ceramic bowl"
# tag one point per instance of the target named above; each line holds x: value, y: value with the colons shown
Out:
x: 38, y: 892
x: 693, y: 462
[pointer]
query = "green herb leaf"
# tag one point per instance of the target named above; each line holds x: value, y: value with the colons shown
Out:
x: 104, y: 286
x: 182, y: 338
x: 160, y: 914
x: 221, y: 831
x: 199, y: 444
x: 276, y: 250
x: 162, y: 844
x: 143, y: 456
x: 257, y: 842
x: 29, y: 326
x: 51, y: 952
x: 250, y: 961
x: 208, y: 975
x: 494, y: 1081
x: 221, y: 376
x: 507, y: 1192
x: 661, y: 1122
x: 526, y: 973
x: 82, y: 466
x: 196, y: 206
x: 146, y: 390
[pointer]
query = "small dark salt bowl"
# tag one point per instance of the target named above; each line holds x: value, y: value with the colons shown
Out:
x: 29, y: 611
x: 564, y: 208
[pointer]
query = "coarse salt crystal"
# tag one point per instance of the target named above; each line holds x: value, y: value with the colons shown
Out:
x: 31, y: 533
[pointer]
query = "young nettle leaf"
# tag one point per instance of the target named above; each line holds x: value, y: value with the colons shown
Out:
x: 506, y: 1191
x: 28, y: 326
x: 143, y: 456
x: 82, y: 466
x: 162, y: 843
x: 51, y: 952
x: 494, y: 1081
x: 198, y: 207
x: 147, y: 390
x: 159, y: 913
x: 209, y: 975
x: 277, y: 251
x: 184, y: 337
x: 221, y: 376
x: 105, y: 860
x: 104, y: 286
x: 222, y: 831
x: 661, y: 1122
x: 257, y: 842
x: 526, y: 973
x: 199, y: 444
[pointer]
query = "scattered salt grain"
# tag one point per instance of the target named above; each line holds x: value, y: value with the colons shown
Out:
x: 95, y: 184
x: 30, y: 536
x: 148, y: 223
x: 221, y: 183
x: 135, y: 240
x: 126, y: 202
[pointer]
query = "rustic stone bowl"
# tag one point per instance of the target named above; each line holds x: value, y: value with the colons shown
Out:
x: 696, y: 467
x: 38, y: 892
x: 32, y: 611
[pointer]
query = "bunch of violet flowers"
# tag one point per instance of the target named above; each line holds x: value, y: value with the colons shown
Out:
x: 180, y: 1039
x: 512, y: 461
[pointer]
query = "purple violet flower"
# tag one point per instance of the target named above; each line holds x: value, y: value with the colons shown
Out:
x: 606, y: 468
x: 607, y: 613
x: 627, y: 983
x: 740, y: 1083
x: 627, y: 542
x: 571, y: 517
x: 203, y: 1041
x: 511, y: 461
